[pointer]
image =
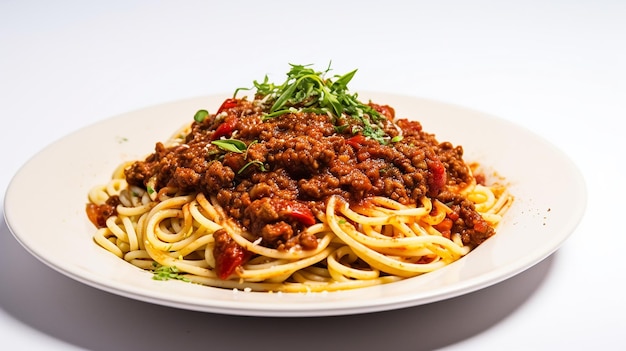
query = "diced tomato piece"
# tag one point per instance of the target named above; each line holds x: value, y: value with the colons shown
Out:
x: 437, y: 179
x: 296, y: 210
x: 229, y: 259
x: 98, y: 214
x: 226, y: 128
x: 356, y: 141
x: 228, y: 103
x: 445, y: 227
x: 93, y: 214
x: 304, y: 216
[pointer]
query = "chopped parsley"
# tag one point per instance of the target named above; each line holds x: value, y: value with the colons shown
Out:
x: 167, y: 273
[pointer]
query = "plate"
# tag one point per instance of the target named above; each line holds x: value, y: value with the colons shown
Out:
x: 45, y: 202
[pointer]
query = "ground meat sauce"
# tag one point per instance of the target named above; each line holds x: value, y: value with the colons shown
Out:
x: 98, y: 214
x: 294, y: 162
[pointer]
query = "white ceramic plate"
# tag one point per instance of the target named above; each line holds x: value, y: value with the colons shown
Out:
x: 45, y: 210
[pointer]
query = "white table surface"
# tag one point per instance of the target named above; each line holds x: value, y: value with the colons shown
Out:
x: 554, y: 67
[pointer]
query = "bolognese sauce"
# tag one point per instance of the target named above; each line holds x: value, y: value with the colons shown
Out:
x: 273, y: 166
x: 293, y: 162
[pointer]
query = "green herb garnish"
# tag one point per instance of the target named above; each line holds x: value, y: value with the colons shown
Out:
x: 167, y: 273
x: 255, y: 162
x: 232, y: 145
x: 308, y: 90
x: 200, y: 116
x: 397, y: 138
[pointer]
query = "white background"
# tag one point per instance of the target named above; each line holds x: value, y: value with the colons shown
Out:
x: 555, y: 67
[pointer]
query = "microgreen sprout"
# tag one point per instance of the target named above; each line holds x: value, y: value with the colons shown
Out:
x: 307, y: 90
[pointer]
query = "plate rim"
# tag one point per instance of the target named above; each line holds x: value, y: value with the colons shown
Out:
x: 468, y: 286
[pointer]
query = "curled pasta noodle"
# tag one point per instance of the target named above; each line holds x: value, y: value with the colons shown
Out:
x: 358, y: 245
x: 301, y: 189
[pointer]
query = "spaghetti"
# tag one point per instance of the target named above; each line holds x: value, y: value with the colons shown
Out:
x: 303, y: 188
